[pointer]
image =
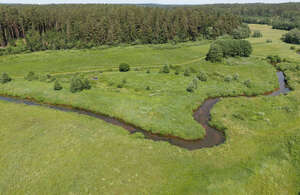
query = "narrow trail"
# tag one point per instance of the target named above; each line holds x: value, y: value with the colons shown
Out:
x: 213, y: 136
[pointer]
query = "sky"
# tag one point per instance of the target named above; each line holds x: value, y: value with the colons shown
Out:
x: 144, y: 1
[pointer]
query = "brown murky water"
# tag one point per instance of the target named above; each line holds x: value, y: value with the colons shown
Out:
x: 212, y: 138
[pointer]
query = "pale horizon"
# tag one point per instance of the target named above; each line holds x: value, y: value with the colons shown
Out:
x: 162, y: 2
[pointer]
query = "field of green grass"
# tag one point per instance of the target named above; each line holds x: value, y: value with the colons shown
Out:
x: 46, y: 151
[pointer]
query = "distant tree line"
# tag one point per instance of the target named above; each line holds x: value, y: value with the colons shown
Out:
x: 84, y: 26
x: 285, y: 16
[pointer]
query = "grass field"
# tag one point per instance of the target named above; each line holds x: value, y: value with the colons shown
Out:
x: 46, y: 151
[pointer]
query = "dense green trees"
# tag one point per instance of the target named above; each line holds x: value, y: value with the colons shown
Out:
x: 85, y: 26
x: 284, y: 16
x: 292, y: 37
x: 241, y: 32
x: 4, y: 78
x: 228, y: 48
x: 257, y: 34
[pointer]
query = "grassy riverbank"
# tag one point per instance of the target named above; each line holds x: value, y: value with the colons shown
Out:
x: 44, y: 151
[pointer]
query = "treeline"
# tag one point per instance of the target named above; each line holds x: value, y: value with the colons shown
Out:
x: 285, y: 16
x: 84, y: 26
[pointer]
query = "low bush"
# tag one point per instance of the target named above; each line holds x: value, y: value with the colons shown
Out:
x: 228, y: 78
x: 242, y: 32
x: 236, y: 76
x: 4, y: 78
x: 192, y: 86
x: 123, y: 67
x: 269, y: 41
x: 78, y: 84
x: 257, y: 34
x: 31, y: 76
x: 57, y: 86
x: 292, y: 36
x: 292, y: 48
x: 248, y: 83
x: 202, y: 76
x: 275, y: 59
x: 165, y: 69
x: 187, y: 72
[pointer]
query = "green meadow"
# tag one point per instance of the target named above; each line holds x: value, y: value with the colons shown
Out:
x: 46, y: 151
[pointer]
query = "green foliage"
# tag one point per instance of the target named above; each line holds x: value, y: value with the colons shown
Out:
x: 187, y: 72
x: 228, y: 48
x: 236, y: 76
x: 192, y: 86
x: 5, y: 78
x: 31, y: 76
x: 123, y: 67
x: 242, y: 32
x: 177, y: 72
x: 292, y: 48
x: 57, y: 86
x: 292, y: 36
x: 202, y: 76
x: 228, y: 78
x: 257, y: 34
x: 274, y: 59
x: 215, y: 53
x: 165, y: 69
x: 77, y: 84
x: 269, y: 41
x: 148, y: 71
x: 248, y: 83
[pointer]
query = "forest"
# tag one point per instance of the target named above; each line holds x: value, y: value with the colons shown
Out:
x: 85, y: 26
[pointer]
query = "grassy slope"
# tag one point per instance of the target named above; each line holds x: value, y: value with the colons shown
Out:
x: 106, y: 58
x: 53, y: 152
x: 165, y: 108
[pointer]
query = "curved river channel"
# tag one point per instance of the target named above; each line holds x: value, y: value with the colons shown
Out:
x: 212, y: 138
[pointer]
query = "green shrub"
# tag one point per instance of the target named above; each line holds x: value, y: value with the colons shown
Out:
x: 177, y: 72
x: 292, y: 36
x: 165, y: 69
x: 192, y: 86
x: 148, y: 71
x: 147, y: 88
x: 215, y: 53
x: 257, y: 34
x: 123, y: 67
x: 242, y: 32
x: 275, y: 59
x: 228, y: 78
x: 57, y: 86
x: 86, y: 84
x: 292, y: 48
x: 120, y: 85
x: 187, y: 72
x: 269, y: 41
x: 31, y: 76
x: 248, y: 83
x: 76, y: 85
x: 202, y: 76
x: 236, y: 76
x: 4, y: 78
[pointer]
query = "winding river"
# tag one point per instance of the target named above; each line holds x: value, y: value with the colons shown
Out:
x: 213, y: 136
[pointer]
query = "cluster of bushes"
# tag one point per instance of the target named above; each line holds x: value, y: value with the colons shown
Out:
x: 284, y: 25
x: 228, y: 48
x: 242, y: 32
x: 274, y: 59
x: 257, y: 34
x: 78, y: 84
x: 123, y: 67
x: 193, y: 85
x: 4, y: 78
x: 292, y: 37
